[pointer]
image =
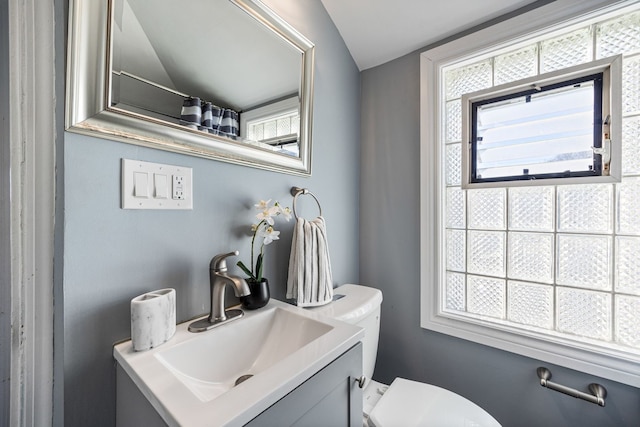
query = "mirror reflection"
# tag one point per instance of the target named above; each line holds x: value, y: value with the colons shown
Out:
x: 209, y: 66
x: 221, y: 79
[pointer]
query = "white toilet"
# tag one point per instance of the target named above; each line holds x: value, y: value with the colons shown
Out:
x: 404, y: 403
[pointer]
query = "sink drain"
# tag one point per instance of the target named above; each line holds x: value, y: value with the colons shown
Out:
x: 242, y: 379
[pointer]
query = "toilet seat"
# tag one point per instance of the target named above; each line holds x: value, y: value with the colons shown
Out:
x: 371, y: 395
x: 413, y: 404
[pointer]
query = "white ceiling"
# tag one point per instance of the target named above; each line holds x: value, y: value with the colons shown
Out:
x: 377, y: 31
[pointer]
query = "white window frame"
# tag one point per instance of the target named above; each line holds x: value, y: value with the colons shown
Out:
x: 555, y: 18
x: 611, y: 68
x: 270, y: 111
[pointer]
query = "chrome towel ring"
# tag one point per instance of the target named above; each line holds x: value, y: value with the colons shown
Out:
x: 296, y: 191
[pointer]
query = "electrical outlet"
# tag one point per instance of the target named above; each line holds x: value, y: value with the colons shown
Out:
x: 156, y: 186
x: 178, y: 187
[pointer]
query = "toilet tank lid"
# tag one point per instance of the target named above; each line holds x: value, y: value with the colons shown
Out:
x: 409, y: 403
x: 351, y: 303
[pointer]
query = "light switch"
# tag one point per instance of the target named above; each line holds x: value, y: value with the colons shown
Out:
x: 141, y: 184
x: 148, y: 185
x: 160, y: 183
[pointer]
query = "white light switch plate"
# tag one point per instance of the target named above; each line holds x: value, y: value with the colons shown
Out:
x: 155, y: 186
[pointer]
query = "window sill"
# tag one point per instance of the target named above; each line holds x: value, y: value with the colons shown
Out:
x: 560, y: 353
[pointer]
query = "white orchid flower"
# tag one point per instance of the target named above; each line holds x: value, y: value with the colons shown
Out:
x: 263, y: 234
x: 286, y: 212
x: 262, y: 205
x: 270, y: 235
x: 266, y: 215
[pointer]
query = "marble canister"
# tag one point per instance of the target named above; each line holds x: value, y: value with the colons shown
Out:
x: 153, y: 318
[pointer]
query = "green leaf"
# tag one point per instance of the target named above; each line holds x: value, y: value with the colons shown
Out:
x: 245, y: 269
x: 259, y: 268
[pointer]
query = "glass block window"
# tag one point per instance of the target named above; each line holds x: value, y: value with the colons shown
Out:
x: 548, y: 131
x: 273, y: 126
x: 276, y: 129
x: 560, y: 260
x: 516, y: 65
x: 569, y: 49
x: 469, y: 78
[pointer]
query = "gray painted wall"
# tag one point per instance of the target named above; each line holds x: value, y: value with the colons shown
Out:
x: 502, y: 383
x: 112, y: 255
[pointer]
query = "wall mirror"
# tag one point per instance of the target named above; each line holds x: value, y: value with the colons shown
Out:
x: 223, y: 79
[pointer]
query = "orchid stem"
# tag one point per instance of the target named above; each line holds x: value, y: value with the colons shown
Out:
x: 253, y: 239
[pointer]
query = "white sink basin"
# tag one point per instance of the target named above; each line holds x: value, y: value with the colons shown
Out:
x: 191, y: 379
x: 211, y: 365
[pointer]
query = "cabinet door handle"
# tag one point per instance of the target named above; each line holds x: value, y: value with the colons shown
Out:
x: 361, y: 381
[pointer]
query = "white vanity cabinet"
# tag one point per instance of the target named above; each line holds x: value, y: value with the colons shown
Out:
x: 329, y: 398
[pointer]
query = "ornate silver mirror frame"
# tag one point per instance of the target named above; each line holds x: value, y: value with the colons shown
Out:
x: 88, y: 107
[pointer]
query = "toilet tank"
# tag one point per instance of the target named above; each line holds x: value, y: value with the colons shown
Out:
x: 358, y: 305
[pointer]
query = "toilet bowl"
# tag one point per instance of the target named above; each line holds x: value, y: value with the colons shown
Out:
x: 404, y: 402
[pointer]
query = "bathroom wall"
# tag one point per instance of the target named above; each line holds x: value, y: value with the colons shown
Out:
x: 502, y: 383
x: 112, y: 255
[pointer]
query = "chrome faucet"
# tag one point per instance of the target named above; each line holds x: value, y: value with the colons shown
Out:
x: 219, y: 279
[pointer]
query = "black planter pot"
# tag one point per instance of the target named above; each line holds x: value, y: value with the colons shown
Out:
x: 259, y: 294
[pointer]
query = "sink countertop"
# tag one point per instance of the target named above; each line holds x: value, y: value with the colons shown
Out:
x: 178, y: 405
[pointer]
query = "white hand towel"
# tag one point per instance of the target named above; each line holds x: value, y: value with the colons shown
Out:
x: 310, y: 281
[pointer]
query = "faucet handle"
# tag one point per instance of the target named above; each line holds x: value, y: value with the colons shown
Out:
x: 219, y: 262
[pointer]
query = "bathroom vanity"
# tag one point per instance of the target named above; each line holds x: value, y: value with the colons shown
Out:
x: 331, y: 397
x: 302, y: 366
